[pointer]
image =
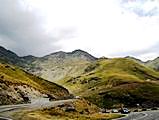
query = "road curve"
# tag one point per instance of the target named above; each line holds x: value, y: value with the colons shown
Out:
x: 38, y: 104
x: 147, y: 115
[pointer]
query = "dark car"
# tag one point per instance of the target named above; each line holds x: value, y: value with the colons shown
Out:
x: 154, y: 108
x: 125, y: 111
x: 137, y: 110
x: 144, y: 109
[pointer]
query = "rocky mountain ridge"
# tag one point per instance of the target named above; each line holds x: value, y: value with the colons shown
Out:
x: 59, y: 65
x: 52, y: 67
x: 127, y: 81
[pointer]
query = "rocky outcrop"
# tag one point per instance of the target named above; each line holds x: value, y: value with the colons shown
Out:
x: 17, y: 94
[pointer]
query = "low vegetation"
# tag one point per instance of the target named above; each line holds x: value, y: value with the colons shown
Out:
x: 14, y: 82
x: 115, y: 82
x: 77, y: 110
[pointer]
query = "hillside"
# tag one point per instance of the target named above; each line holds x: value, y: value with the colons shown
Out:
x: 80, y: 110
x: 58, y: 65
x: 105, y: 82
x: 7, y: 56
x: 52, y: 67
x: 112, y: 82
x: 18, y: 86
x: 135, y: 59
x: 153, y: 63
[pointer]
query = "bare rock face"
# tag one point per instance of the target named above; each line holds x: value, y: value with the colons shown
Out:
x: 17, y: 94
x: 59, y: 65
x: 153, y: 64
x: 52, y: 67
x: 18, y: 86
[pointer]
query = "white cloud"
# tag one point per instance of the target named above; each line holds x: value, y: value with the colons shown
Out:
x: 148, y: 56
x: 142, y: 7
x: 101, y: 27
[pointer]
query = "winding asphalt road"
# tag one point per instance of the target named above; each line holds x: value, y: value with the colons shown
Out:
x: 36, y: 104
x: 45, y: 103
x: 147, y: 115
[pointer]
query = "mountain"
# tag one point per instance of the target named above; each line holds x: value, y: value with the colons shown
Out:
x: 105, y: 82
x: 18, y: 86
x: 112, y: 82
x: 8, y: 56
x: 52, y: 67
x: 153, y: 63
x: 135, y: 59
x: 58, y: 65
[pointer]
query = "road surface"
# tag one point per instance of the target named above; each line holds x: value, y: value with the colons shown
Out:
x: 36, y: 104
x: 44, y: 103
x: 147, y: 115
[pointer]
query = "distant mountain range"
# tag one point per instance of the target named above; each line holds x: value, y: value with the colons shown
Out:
x: 103, y: 81
x: 52, y: 67
x: 60, y: 64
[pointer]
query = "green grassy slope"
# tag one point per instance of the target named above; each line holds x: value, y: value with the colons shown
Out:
x: 11, y: 75
x: 112, y: 82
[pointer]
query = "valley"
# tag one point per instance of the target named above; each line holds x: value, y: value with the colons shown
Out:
x: 105, y: 83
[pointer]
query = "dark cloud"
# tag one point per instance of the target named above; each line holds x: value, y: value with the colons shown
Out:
x: 21, y: 30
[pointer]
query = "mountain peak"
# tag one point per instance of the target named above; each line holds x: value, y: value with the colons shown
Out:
x: 8, y: 56
x: 135, y: 59
x: 4, y: 51
x: 59, y: 54
x: 82, y: 54
x: 2, y: 48
x: 76, y: 53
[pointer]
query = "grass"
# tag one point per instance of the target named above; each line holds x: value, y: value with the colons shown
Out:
x: 13, y: 75
x: 84, y: 110
x: 38, y: 115
x: 110, y: 82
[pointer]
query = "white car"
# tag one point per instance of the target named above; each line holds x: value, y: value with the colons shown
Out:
x: 115, y: 111
x: 77, y: 97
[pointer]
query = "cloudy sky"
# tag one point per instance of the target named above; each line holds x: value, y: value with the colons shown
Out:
x: 111, y: 28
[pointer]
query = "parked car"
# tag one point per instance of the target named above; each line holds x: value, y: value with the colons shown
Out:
x: 144, y: 109
x: 77, y: 97
x: 115, y: 111
x: 125, y: 111
x: 136, y: 110
x: 103, y: 110
x: 154, y: 108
